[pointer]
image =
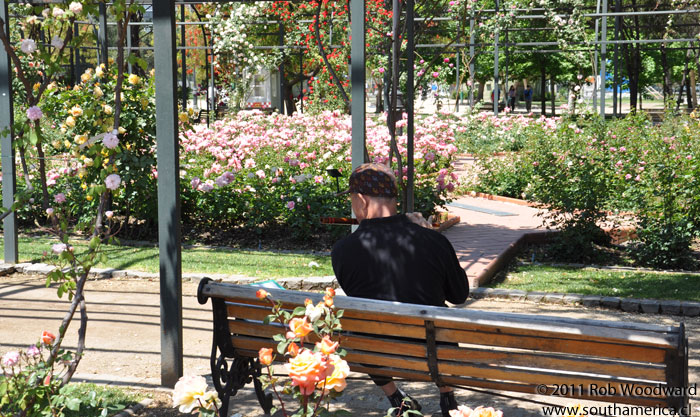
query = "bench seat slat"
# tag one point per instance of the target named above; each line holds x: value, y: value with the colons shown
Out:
x: 492, y: 373
x: 475, y: 356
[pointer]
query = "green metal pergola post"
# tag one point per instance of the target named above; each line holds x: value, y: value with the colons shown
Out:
x: 357, y: 79
x: 410, y: 87
x: 8, y: 154
x: 169, y: 233
x: 496, y: 87
x: 102, y: 34
x: 603, y: 57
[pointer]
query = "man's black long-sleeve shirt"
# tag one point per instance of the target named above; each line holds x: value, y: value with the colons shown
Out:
x: 394, y: 259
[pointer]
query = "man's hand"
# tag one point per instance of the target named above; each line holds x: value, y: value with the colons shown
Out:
x: 418, y: 219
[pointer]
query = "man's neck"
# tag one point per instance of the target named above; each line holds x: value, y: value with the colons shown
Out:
x: 380, y: 211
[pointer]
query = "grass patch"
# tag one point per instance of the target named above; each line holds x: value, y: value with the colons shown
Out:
x: 591, y: 281
x: 262, y: 264
x: 94, y: 399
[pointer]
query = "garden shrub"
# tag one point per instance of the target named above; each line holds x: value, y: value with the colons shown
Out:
x: 571, y: 180
x: 264, y: 172
x: 584, y: 169
x: 84, y: 114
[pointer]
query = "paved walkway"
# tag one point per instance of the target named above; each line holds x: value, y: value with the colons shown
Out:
x: 486, y: 231
x: 123, y: 340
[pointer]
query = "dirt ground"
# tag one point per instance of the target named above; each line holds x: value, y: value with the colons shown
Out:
x: 123, y: 343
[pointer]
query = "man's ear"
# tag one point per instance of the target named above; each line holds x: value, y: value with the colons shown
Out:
x: 364, y: 203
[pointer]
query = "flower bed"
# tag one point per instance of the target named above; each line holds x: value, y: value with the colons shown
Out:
x: 582, y: 168
x: 263, y: 170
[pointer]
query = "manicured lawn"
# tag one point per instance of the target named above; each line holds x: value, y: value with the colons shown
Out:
x: 590, y: 281
x: 216, y: 261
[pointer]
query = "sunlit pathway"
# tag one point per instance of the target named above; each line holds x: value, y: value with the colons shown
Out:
x: 486, y: 230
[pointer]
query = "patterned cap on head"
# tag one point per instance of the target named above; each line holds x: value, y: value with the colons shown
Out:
x: 375, y: 180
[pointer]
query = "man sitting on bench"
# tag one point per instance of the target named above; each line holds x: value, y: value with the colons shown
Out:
x: 390, y: 257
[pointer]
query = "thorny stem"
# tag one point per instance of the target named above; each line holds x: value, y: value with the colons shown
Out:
x: 121, y: 27
x: 274, y: 389
x: 321, y: 49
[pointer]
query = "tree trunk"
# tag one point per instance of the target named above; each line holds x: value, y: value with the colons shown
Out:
x: 543, y: 95
x: 668, y: 90
x: 553, y: 94
x: 42, y: 176
x: 480, y: 91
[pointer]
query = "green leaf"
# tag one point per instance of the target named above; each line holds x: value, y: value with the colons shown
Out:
x: 299, y: 311
x: 33, y: 138
x: 73, y: 404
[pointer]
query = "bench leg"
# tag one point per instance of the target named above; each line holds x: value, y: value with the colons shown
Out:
x: 265, y: 399
x: 230, y: 375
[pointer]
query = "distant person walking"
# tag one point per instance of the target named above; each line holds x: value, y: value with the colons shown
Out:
x: 511, y: 98
x: 527, y: 95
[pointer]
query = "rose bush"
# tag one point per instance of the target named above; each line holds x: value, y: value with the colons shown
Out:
x: 30, y: 384
x: 583, y: 169
x: 263, y: 171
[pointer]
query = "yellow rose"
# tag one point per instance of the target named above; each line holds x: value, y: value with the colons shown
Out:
x: 184, y: 118
x: 76, y: 111
x: 83, y: 186
x: 153, y: 72
x: 336, y: 381
x: 110, y: 61
x: 76, y: 87
x: 121, y: 130
x: 36, y: 86
x: 51, y: 86
x: 89, y: 162
x: 98, y: 92
x: 56, y: 144
x: 80, y: 139
x: 99, y: 72
x: 107, y: 109
x: 81, y: 173
x: 88, y: 197
x: 134, y: 79
x: 66, y: 143
x: 85, y: 77
x: 70, y: 121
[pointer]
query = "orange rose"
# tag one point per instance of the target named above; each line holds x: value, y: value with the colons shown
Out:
x: 47, y: 338
x: 261, y: 294
x: 330, y: 292
x: 308, y: 301
x: 300, y: 327
x: 328, y: 301
x: 293, y: 349
x: 327, y: 346
x: 265, y: 356
x: 306, y: 369
x: 336, y: 380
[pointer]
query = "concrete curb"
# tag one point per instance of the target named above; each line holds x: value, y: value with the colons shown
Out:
x: 646, y: 306
x: 635, y: 305
x: 292, y: 283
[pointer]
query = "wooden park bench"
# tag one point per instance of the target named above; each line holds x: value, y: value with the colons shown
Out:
x: 619, y: 362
